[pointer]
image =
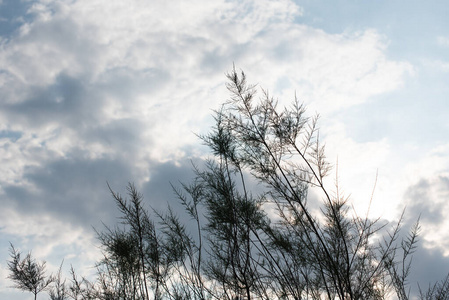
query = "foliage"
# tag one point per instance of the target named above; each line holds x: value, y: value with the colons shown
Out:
x: 253, y: 234
x: 58, y: 290
x: 27, y: 274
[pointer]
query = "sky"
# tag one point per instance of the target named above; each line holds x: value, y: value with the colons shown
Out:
x: 95, y: 92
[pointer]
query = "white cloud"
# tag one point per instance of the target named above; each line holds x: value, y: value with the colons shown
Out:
x: 132, y: 82
x: 49, y: 239
x: 358, y: 164
x: 343, y: 70
x: 418, y: 182
x: 43, y: 233
x: 187, y: 50
x: 399, y: 169
x: 433, y: 163
x: 81, y: 70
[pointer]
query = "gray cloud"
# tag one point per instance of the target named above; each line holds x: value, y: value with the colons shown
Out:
x: 428, y: 198
x: 429, y: 266
x: 158, y: 190
x: 72, y: 189
x: 64, y: 101
x: 98, y: 91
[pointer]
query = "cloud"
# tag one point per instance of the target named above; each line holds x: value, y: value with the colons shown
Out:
x: 76, y: 72
x: 428, y: 198
x: 55, y: 207
x: 429, y: 266
x: 329, y: 71
x: 72, y: 189
x: 356, y: 167
x: 96, y: 91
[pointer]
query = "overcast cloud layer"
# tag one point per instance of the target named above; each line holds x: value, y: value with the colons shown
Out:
x: 95, y: 91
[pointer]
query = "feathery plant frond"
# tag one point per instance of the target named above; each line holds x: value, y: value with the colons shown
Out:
x: 27, y: 274
x: 253, y: 233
